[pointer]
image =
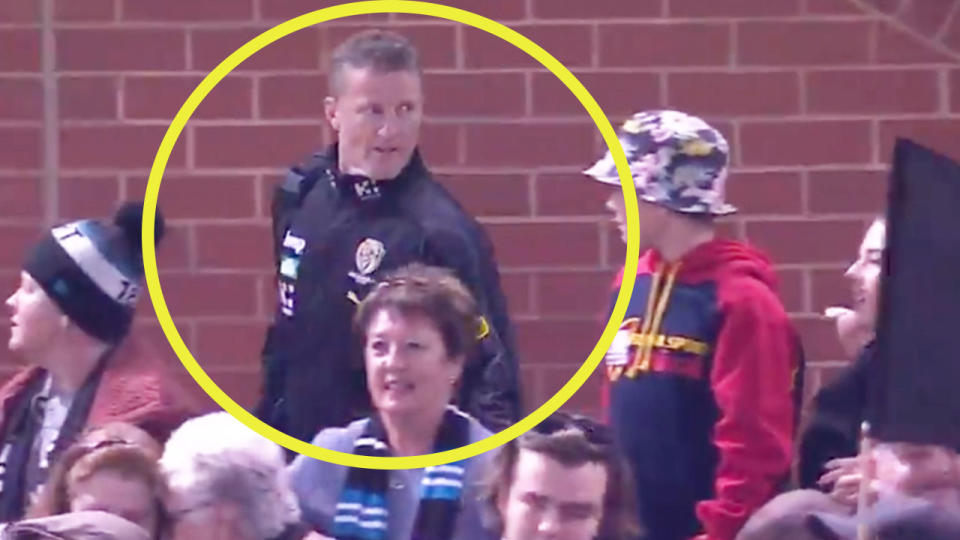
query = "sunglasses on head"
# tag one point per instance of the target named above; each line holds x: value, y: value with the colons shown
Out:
x: 595, y: 432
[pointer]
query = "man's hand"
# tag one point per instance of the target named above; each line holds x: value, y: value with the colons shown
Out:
x: 845, y: 477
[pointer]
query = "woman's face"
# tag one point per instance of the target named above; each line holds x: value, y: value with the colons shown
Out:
x: 127, y: 496
x: 408, y: 368
x: 864, y: 274
x: 35, y: 320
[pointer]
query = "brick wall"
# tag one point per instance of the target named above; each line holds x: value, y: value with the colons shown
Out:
x: 811, y: 94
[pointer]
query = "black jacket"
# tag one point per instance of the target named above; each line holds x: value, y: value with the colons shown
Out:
x: 334, y: 236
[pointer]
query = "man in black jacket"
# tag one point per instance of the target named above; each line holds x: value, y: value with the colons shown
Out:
x: 361, y: 207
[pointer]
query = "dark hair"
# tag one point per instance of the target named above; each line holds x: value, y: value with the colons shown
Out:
x: 118, y: 447
x: 382, y: 51
x: 431, y: 292
x: 573, y: 440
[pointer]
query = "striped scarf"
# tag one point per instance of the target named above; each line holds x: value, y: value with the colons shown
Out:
x: 362, y: 512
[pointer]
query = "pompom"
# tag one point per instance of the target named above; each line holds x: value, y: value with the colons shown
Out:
x: 129, y: 218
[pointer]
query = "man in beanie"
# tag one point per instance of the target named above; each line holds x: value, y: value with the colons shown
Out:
x: 700, y: 378
x: 74, y: 306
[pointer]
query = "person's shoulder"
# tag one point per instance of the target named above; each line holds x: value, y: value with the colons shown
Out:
x: 341, y: 439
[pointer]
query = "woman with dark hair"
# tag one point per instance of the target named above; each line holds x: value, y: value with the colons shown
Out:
x: 419, y: 330
x: 111, y: 469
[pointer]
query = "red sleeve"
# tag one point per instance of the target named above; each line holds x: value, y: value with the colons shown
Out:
x: 751, y: 378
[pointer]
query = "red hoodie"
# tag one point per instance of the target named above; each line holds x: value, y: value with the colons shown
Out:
x: 707, y: 376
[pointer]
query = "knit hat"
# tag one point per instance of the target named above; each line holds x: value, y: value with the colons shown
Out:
x: 677, y: 161
x: 93, y: 270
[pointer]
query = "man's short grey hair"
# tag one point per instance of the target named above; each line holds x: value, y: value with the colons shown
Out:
x: 216, y: 459
x: 381, y: 51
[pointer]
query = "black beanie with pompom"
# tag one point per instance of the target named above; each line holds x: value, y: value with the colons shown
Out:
x: 93, y: 270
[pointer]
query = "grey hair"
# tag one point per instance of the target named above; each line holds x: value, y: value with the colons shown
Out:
x: 214, y: 458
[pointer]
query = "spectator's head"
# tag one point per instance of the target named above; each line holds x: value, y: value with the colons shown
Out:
x: 111, y: 469
x: 864, y: 275
x: 564, y: 480
x: 679, y: 167
x: 418, y: 330
x: 226, y: 482
x: 375, y: 103
x: 78, y: 287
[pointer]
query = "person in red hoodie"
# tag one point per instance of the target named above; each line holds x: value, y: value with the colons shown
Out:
x: 701, y: 378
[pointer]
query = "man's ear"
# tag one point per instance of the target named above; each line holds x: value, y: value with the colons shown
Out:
x: 330, y: 112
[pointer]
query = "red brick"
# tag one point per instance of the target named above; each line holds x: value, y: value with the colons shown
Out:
x: 897, y: 47
x: 87, y: 196
x: 435, y: 43
x: 819, y: 338
x: 498, y: 10
x: 803, y: 43
x: 658, y: 44
x: 241, y: 385
x: 300, y: 50
x: 570, y: 44
x: 952, y: 36
x: 88, y: 10
x: 888, y: 6
x: 735, y: 94
x: 439, y: 144
x: 85, y: 98
x: 204, y: 196
x: 955, y: 90
x: 21, y: 50
x: 20, y: 11
x: 545, y: 244
x: 872, y: 91
x: 16, y: 239
x: 616, y: 247
x: 734, y: 8
x: 584, y: 293
x: 571, y: 194
x: 832, y: 7
x: 475, y: 94
x: 210, y: 10
x: 940, y: 135
x: 618, y: 94
x: 288, y: 9
x: 830, y: 287
x: 765, y: 192
x: 292, y: 96
x: 490, y: 194
x: 516, y: 288
x: 119, y: 49
x: 926, y: 17
x: 234, y: 247
x: 20, y: 197
x: 21, y: 148
x: 222, y: 344
x: 791, y: 290
x: 173, y: 253
x: 21, y: 99
x: 555, y: 341
x: 586, y: 400
x: 805, y: 142
x: 606, y: 9
x: 209, y: 294
x: 529, y: 144
x: 160, y: 97
x: 796, y: 241
x: 859, y: 192
x: 251, y: 146
x: 115, y: 146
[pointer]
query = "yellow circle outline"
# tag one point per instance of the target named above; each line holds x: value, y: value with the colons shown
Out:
x: 416, y: 8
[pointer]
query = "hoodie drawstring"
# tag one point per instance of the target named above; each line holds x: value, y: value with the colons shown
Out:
x: 657, y: 300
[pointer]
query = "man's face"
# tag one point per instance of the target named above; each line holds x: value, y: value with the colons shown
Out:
x: 549, y: 501
x: 35, y: 321
x: 651, y: 219
x: 864, y: 275
x: 377, y: 119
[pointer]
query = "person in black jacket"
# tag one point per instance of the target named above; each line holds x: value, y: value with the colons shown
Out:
x: 361, y: 207
x: 833, y: 434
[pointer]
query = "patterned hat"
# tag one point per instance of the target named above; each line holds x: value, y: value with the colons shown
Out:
x: 677, y: 161
x: 93, y: 270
